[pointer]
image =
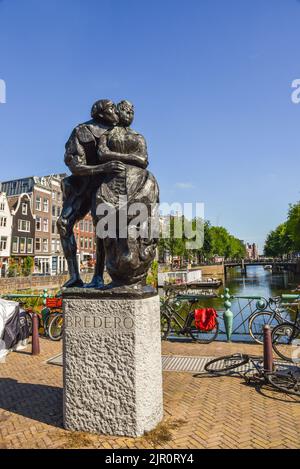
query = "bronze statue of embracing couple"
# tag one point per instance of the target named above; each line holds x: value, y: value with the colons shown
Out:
x: 108, y: 162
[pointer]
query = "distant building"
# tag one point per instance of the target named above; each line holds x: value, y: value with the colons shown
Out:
x: 218, y: 259
x: 85, y: 238
x: 5, y: 234
x: 23, y: 228
x: 46, y: 201
x: 251, y: 251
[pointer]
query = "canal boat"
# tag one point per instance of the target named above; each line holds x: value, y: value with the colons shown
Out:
x: 203, y: 284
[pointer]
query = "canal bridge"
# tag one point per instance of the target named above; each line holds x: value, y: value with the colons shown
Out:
x: 277, y: 265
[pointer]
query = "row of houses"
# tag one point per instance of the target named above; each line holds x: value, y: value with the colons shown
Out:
x: 29, y: 209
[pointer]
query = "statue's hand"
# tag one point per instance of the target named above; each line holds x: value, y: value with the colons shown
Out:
x: 113, y: 167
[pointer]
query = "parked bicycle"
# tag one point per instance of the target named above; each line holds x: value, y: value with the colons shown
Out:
x: 284, y: 378
x: 269, y: 312
x: 286, y: 336
x: 47, y: 325
x: 174, y: 322
x: 55, y: 329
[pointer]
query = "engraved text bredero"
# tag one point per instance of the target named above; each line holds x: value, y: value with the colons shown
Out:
x: 95, y: 322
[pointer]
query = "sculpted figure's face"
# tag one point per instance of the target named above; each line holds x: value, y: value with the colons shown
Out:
x: 126, y: 113
x: 110, y: 114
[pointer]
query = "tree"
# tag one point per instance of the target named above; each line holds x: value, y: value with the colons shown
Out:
x: 292, y: 236
x: 13, y: 269
x: 220, y: 241
x: 27, y: 266
x: 279, y: 241
x: 214, y: 241
x: 173, y: 244
x: 206, y: 250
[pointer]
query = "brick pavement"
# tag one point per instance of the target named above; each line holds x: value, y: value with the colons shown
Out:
x: 200, y: 412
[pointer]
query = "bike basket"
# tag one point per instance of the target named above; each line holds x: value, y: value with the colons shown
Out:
x: 54, y: 302
x: 205, y: 319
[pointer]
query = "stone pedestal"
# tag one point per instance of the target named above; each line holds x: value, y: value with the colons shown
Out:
x: 112, y: 364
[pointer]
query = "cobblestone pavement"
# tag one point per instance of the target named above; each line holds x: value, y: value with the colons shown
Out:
x: 200, y: 411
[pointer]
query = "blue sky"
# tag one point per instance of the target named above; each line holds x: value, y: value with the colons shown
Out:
x: 210, y: 79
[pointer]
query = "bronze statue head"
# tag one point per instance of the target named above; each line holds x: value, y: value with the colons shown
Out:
x: 125, y: 111
x: 105, y: 111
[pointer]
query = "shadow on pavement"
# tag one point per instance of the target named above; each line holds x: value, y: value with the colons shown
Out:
x: 35, y: 401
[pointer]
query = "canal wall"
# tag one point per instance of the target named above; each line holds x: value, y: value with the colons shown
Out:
x: 216, y: 270
x: 16, y: 284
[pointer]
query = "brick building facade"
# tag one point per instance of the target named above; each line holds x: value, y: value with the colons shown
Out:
x: 46, y: 198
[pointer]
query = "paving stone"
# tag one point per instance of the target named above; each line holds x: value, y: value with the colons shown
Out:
x: 214, y: 412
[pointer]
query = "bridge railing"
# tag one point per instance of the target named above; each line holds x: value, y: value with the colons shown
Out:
x: 237, y: 310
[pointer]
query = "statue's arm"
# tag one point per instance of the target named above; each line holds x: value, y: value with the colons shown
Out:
x: 75, y: 159
x: 76, y: 167
x: 139, y: 159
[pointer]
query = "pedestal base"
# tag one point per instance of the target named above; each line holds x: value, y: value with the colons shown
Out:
x: 112, y: 365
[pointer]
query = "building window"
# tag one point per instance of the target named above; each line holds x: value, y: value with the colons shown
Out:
x: 81, y: 226
x: 54, y: 210
x: 46, y: 225
x: 38, y: 224
x: 38, y: 203
x: 46, y: 205
x: 86, y: 243
x: 58, y: 211
x: 81, y: 243
x: 90, y: 243
x: 24, y: 186
x: 59, y: 196
x: 53, y: 227
x: 15, y: 244
x: 53, y: 195
x: 3, y: 243
x: 24, y: 208
x: 2, y: 207
x: 86, y: 226
x: 38, y: 244
x: 3, y: 221
x: 91, y: 227
x: 29, y: 245
x: 22, y: 245
x: 53, y: 245
x: 45, y: 245
x: 24, y: 225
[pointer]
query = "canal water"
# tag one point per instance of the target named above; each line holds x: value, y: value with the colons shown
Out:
x: 257, y: 282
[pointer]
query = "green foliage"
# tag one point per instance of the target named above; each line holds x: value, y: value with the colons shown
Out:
x: 215, y: 241
x: 173, y: 244
x: 27, y: 266
x: 152, y: 277
x: 285, y: 239
x: 14, y: 269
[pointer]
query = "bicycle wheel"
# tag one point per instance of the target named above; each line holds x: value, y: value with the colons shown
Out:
x: 226, y: 363
x: 55, y: 328
x: 165, y: 326
x: 286, y: 341
x: 203, y: 337
x: 257, y: 323
x: 29, y: 322
x: 287, y: 382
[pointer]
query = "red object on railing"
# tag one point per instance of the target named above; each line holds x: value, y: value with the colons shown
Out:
x: 205, y: 319
x: 54, y: 302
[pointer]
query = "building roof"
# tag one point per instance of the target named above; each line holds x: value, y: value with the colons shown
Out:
x: 12, y: 202
x: 15, y: 200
